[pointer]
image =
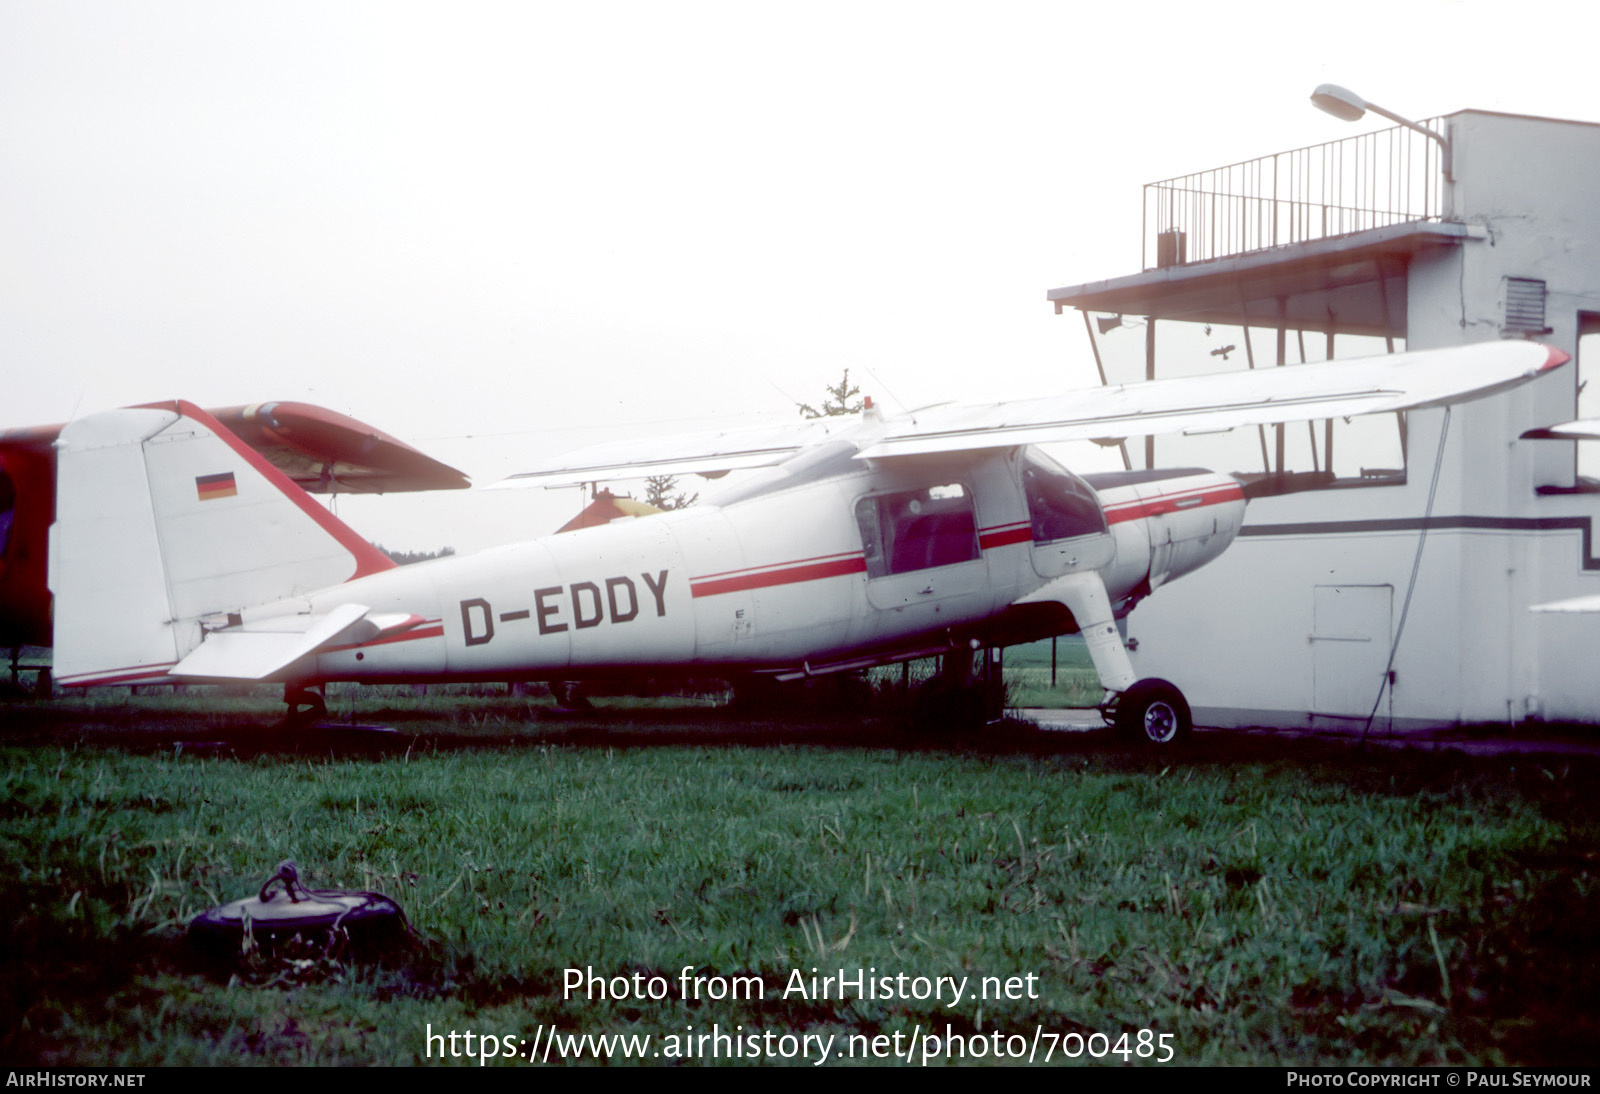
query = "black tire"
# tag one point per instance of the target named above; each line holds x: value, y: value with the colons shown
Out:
x: 1153, y: 712
x: 306, y: 705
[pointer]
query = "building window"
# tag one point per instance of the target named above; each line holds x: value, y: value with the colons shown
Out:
x: 1587, y: 377
x: 1362, y: 451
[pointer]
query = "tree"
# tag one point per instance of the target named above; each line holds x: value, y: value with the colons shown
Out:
x: 659, y: 492
x: 838, y: 403
x: 406, y: 558
x: 660, y: 489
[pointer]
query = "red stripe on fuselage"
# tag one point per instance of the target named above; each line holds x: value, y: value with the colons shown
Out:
x: 825, y: 566
x: 1179, y: 502
x: 1003, y: 535
x: 1000, y: 535
x: 404, y: 636
x: 776, y: 565
x: 784, y: 574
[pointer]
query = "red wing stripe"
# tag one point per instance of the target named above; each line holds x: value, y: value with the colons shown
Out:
x: 789, y: 575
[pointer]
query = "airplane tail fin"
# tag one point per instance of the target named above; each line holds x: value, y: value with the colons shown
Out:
x: 165, y: 519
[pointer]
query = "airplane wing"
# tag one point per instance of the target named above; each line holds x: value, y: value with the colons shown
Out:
x: 1578, y: 605
x: 1193, y: 404
x: 1222, y: 401
x: 324, y: 451
x: 1584, y: 429
x: 711, y: 454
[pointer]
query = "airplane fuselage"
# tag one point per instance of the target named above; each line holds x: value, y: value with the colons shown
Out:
x: 179, y: 553
x: 854, y: 564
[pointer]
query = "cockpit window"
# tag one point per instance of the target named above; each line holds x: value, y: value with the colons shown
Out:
x: 918, y: 529
x: 1060, y: 504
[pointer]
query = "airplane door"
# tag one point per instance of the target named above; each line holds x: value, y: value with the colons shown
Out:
x: 924, y: 566
x: 1350, y: 638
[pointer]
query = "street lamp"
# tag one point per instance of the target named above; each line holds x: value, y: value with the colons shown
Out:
x: 1347, y: 106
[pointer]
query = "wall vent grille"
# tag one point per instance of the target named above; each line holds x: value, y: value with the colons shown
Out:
x: 1524, y: 300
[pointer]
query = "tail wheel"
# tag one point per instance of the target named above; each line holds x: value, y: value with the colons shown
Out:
x: 1153, y: 712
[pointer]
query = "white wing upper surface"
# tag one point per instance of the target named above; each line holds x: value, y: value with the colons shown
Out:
x: 1201, y: 404
x: 1584, y: 429
x: 709, y: 453
x: 1195, y: 404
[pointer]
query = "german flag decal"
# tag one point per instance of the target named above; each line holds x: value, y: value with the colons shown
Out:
x: 212, y: 487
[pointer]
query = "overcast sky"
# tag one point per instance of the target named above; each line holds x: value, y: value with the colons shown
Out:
x: 497, y: 228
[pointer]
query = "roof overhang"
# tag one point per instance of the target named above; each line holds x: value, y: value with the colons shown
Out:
x: 1350, y: 284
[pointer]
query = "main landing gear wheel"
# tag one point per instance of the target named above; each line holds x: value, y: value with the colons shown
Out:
x: 306, y: 705
x: 1153, y: 712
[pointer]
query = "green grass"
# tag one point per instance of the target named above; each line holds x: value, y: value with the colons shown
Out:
x: 1300, y: 904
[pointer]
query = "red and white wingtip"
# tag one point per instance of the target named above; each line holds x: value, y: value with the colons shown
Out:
x: 1554, y: 358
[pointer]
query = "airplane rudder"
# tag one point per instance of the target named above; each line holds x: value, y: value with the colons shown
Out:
x: 163, y: 517
x: 237, y: 531
x: 112, y: 615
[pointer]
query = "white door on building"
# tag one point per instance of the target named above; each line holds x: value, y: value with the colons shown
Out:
x: 1350, y: 639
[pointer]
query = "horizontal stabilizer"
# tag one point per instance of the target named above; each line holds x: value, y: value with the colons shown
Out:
x: 166, y: 525
x: 254, y: 651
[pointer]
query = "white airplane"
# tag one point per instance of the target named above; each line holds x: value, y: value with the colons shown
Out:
x: 179, y: 555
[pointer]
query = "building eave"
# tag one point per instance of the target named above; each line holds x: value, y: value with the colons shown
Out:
x: 1350, y: 284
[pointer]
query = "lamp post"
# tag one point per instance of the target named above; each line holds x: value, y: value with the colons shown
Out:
x: 1347, y: 106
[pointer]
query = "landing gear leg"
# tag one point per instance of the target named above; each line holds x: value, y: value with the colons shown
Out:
x: 306, y: 704
x: 1085, y: 596
x: 1149, y: 711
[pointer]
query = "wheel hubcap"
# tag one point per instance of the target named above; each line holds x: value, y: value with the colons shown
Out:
x: 1160, y: 722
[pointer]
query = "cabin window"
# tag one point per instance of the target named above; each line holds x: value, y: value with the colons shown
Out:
x: 1060, y: 504
x: 917, y: 529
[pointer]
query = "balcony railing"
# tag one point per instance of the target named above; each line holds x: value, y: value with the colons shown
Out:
x: 1392, y: 176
